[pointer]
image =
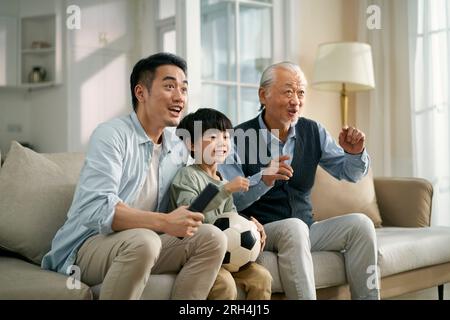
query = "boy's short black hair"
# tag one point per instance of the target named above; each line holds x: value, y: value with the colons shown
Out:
x: 209, y: 118
x: 144, y: 70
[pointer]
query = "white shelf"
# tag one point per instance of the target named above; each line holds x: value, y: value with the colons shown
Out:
x: 36, y: 30
x: 38, y: 51
x: 37, y: 85
x: 30, y: 86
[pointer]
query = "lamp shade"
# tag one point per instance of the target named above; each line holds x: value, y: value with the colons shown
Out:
x: 343, y: 62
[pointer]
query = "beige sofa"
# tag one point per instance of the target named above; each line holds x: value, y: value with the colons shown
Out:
x: 36, y: 190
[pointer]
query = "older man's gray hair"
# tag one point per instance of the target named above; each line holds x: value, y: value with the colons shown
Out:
x: 268, y: 75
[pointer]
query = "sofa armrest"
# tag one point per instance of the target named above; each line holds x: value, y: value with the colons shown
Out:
x: 404, y: 202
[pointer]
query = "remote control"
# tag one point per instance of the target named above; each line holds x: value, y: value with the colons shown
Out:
x: 203, y: 199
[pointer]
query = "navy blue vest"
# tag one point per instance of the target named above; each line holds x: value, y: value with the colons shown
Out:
x: 286, y: 199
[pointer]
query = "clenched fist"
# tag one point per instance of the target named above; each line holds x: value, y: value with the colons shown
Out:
x: 352, y: 140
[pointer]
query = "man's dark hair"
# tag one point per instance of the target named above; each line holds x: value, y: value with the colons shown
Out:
x: 209, y: 118
x: 144, y: 71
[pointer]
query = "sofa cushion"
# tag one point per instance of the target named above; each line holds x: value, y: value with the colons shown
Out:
x: 69, y: 162
x: 331, y: 197
x: 36, y: 195
x: 404, y: 249
x: 21, y: 280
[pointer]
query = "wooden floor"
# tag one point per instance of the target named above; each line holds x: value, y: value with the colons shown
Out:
x: 427, y: 294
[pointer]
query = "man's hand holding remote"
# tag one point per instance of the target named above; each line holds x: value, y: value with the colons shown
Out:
x: 182, y: 223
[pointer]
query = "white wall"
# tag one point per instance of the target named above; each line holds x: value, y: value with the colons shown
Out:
x: 35, y: 8
x: 14, y: 111
x: 41, y: 116
x: 323, y: 21
x: 100, y: 59
x: 48, y: 111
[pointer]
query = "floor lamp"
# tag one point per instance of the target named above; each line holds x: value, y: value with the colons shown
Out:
x: 343, y: 67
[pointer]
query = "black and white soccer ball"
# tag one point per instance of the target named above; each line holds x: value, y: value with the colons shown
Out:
x: 243, y: 240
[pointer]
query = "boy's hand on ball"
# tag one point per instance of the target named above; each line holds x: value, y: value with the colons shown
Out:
x: 260, y: 228
x: 238, y: 184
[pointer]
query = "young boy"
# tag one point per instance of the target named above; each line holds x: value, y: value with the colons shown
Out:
x: 210, y: 149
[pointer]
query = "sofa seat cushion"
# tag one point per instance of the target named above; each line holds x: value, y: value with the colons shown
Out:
x: 404, y: 249
x: 20, y: 280
x: 329, y: 269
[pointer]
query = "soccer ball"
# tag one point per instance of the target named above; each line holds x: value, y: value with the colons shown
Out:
x: 243, y: 240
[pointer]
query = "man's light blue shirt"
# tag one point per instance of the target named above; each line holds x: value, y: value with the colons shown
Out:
x: 116, y: 166
x: 334, y: 160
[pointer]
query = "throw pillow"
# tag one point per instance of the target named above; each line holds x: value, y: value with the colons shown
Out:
x: 36, y: 196
x: 331, y: 197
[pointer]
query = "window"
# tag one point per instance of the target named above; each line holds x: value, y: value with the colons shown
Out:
x: 227, y: 44
x: 237, y: 45
x: 165, y: 24
x: 431, y: 119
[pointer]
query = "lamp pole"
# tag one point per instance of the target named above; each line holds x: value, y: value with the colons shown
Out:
x: 344, y: 106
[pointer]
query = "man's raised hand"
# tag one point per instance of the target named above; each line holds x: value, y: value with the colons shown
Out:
x: 352, y: 140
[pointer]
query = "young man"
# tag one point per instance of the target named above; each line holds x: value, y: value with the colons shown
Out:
x: 116, y: 232
x: 279, y: 193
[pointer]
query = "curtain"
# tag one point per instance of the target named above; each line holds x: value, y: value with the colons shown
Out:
x: 384, y: 113
x: 429, y: 33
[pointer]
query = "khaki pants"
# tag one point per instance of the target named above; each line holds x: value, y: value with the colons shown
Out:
x: 122, y: 261
x: 253, y: 278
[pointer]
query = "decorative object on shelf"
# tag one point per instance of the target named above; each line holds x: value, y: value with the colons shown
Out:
x: 40, y: 45
x: 344, y: 67
x: 38, y: 74
x: 40, y: 51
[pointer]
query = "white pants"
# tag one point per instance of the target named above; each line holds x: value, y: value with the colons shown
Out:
x: 351, y: 234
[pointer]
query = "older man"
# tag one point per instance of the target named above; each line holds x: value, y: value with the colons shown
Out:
x: 280, y: 190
